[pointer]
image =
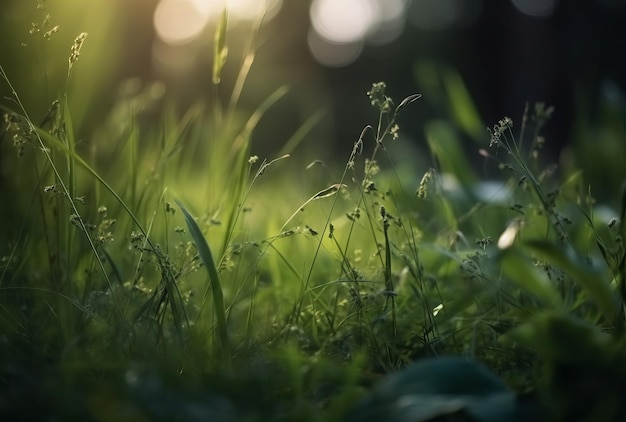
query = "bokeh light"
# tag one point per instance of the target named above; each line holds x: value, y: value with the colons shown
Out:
x: 343, y: 21
x: 390, y: 22
x: 178, y: 22
x: 238, y: 10
x: 333, y: 54
x: 339, y: 28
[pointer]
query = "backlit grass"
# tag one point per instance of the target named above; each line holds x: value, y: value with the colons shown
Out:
x: 159, y: 269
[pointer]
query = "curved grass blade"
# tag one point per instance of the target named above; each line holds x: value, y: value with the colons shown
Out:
x: 214, y: 281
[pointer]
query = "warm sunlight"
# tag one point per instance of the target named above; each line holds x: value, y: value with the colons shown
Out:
x: 312, y: 210
x: 245, y: 10
x: 343, y: 21
x: 340, y: 27
x: 177, y: 21
x: 180, y: 21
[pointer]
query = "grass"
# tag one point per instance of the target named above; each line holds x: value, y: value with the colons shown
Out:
x: 195, y: 280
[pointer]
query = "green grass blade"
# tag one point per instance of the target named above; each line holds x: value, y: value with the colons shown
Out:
x: 297, y: 138
x: 220, y: 49
x: 70, y: 142
x: 446, y: 147
x: 462, y: 107
x: 214, y: 281
x: 388, y: 280
x: 241, y: 144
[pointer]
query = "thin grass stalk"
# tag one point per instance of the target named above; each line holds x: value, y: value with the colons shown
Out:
x: 251, y: 310
x: 41, y: 134
x: 390, y: 293
x: 382, y: 131
x: 241, y: 146
x: 132, y: 163
x: 70, y: 142
x: 249, y: 57
x: 356, y: 150
x: 220, y: 54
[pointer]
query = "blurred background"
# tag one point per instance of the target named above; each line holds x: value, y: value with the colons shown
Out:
x: 475, y: 61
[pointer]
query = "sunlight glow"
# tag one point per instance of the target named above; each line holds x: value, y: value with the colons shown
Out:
x: 177, y: 21
x: 343, y: 21
x: 339, y: 28
x: 243, y: 10
x: 390, y: 22
x: 332, y: 54
x: 180, y: 21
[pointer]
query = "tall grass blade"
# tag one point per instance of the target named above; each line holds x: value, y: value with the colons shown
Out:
x: 220, y: 49
x: 204, y: 251
x: 447, y: 148
x: 295, y: 140
x: 388, y: 281
x: 239, y: 176
x: 73, y: 158
x: 461, y: 105
x: 70, y: 141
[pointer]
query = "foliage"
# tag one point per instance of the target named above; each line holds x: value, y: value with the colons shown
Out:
x: 262, y: 299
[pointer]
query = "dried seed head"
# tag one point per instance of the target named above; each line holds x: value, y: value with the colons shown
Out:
x: 331, y: 190
x: 422, y: 190
x: 76, y: 47
x: 48, y: 34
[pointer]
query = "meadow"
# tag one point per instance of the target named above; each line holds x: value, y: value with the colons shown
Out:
x: 156, y: 268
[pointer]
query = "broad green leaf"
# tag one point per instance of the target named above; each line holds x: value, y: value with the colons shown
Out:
x: 445, y: 388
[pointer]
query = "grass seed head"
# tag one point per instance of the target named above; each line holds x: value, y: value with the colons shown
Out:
x: 378, y: 98
x: 422, y: 190
x: 76, y: 47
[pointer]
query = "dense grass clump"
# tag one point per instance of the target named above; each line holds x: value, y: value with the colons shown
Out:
x: 147, y: 274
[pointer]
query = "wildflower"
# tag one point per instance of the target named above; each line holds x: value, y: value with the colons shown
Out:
x: 394, y: 131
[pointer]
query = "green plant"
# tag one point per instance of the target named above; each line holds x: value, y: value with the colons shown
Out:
x: 274, y: 289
